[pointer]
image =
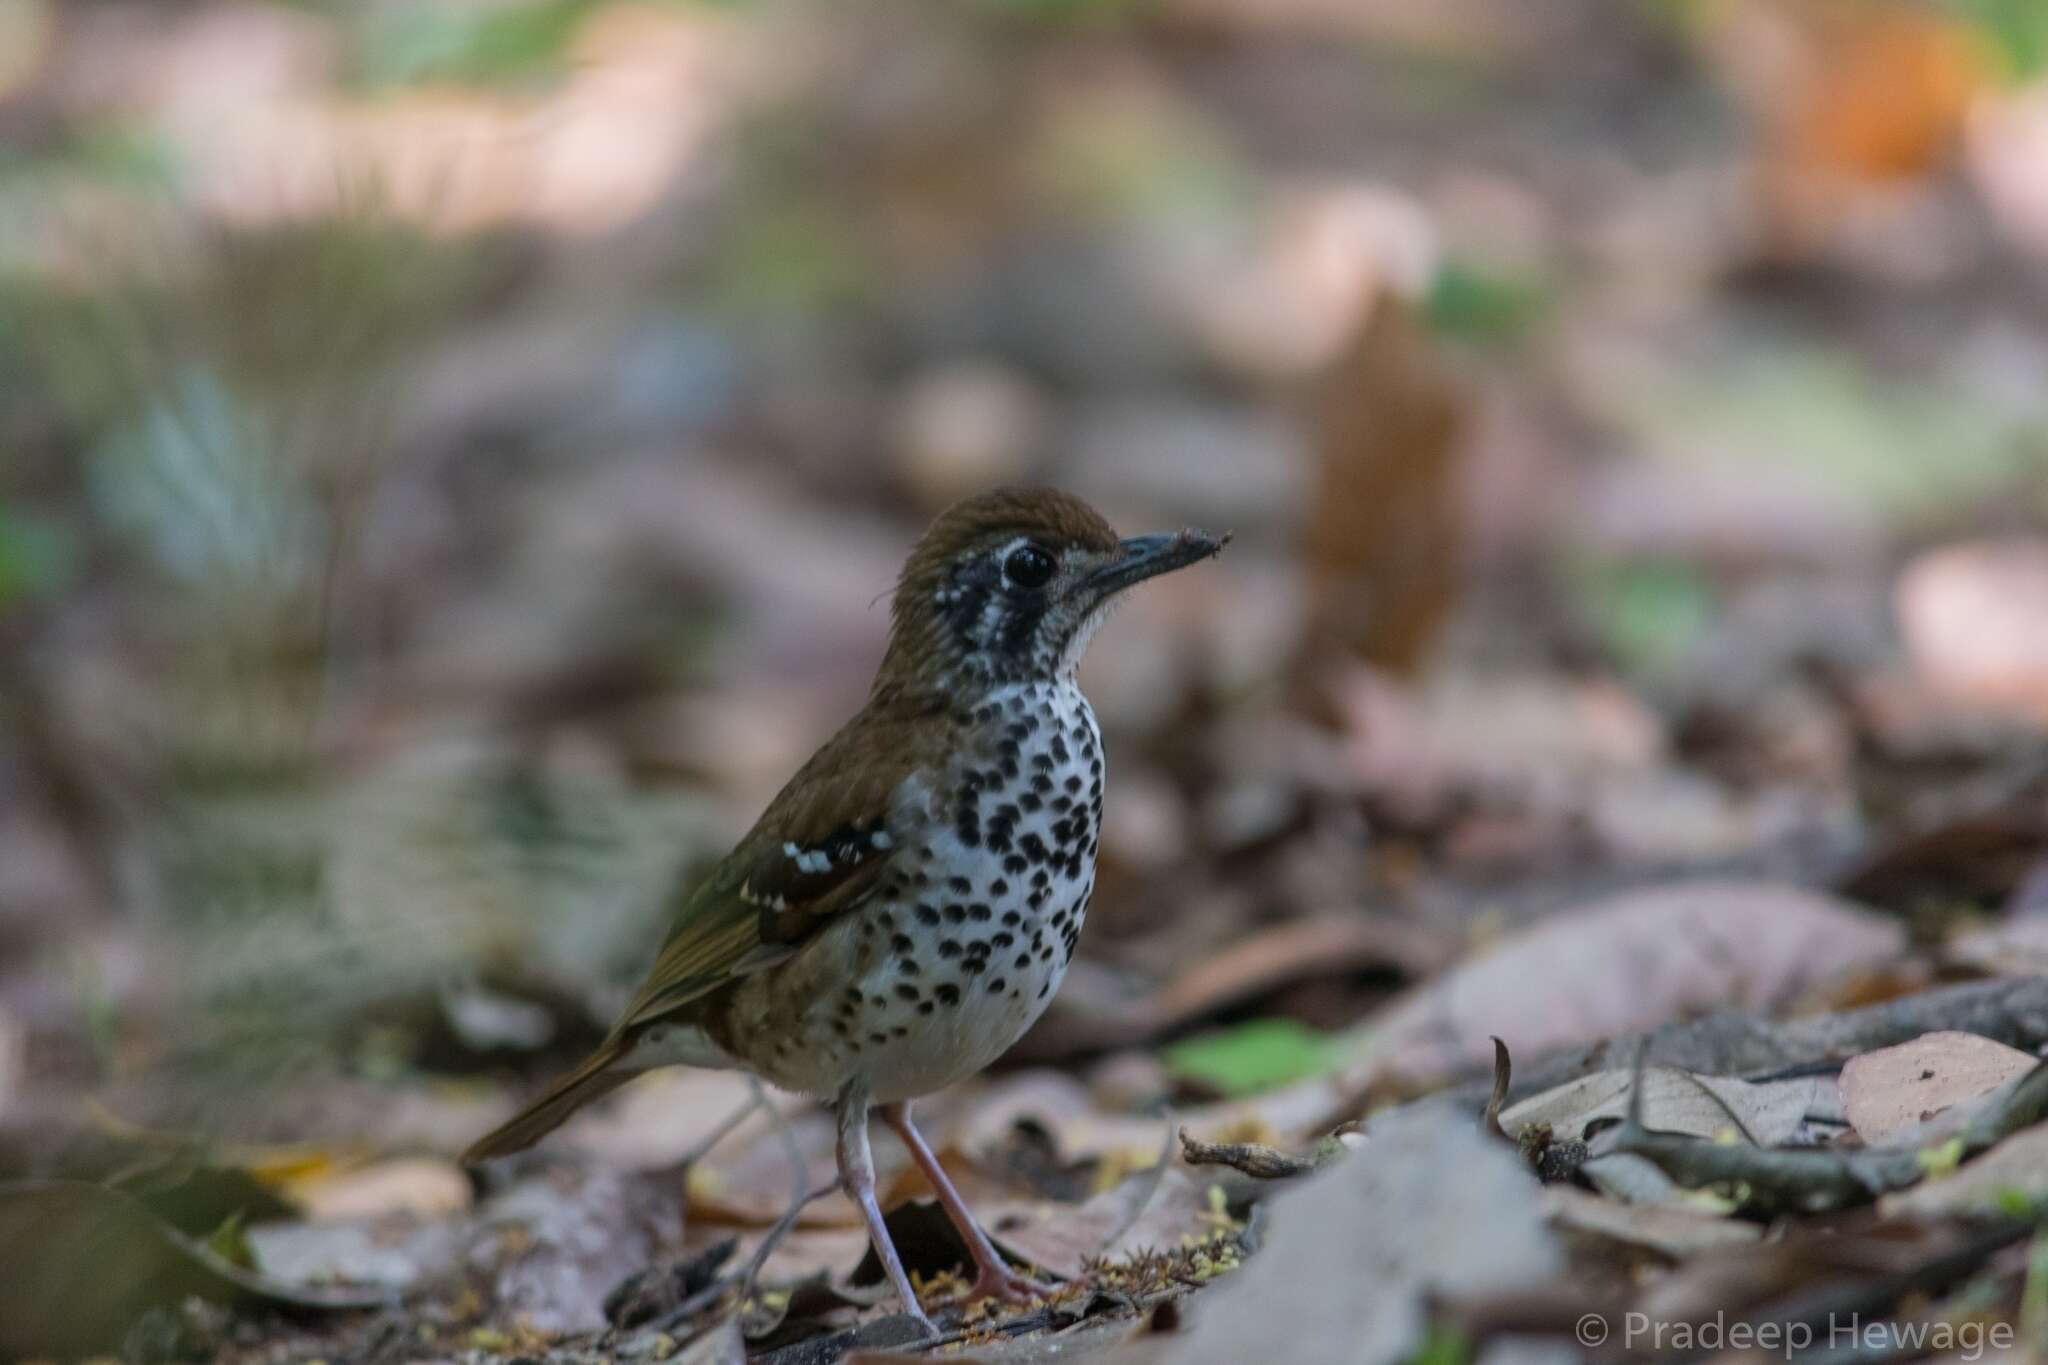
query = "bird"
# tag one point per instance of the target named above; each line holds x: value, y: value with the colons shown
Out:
x: 906, y: 906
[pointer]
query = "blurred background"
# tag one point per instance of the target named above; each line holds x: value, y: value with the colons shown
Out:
x: 454, y: 454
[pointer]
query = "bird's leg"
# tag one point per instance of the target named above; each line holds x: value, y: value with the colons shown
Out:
x: 993, y: 1276
x: 857, y: 1175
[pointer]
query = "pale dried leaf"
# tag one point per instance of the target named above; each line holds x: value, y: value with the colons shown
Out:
x: 1630, y: 962
x: 1895, y: 1089
x: 1428, y: 1206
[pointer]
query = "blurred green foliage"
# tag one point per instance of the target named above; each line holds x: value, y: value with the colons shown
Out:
x: 1918, y: 452
x: 1472, y: 302
x: 1253, y: 1056
x: 474, y: 44
x: 1647, y: 614
x: 2017, y: 30
x: 37, y: 556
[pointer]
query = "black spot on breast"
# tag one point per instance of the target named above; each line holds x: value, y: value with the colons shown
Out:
x: 1003, y: 938
x: 878, y: 1038
x: 1033, y: 847
x: 959, y: 886
x: 853, y: 994
x: 907, y: 966
x: 955, y: 912
x: 907, y: 992
x: 949, y: 947
x: 900, y: 942
x: 1015, y: 865
x: 1023, y: 961
x: 1041, y: 879
x: 996, y: 985
x: 1040, y: 783
x: 1030, y: 802
x: 839, y: 1027
x: 949, y: 994
x: 974, y: 965
x: 925, y: 1008
x: 927, y: 915
x: 999, y: 887
x: 979, y: 913
x: 1012, y: 918
x: 878, y: 1001
x: 1043, y: 762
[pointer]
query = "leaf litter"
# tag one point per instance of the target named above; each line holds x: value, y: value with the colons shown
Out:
x: 1634, y: 664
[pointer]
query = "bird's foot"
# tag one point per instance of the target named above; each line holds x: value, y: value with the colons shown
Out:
x: 1002, y: 1283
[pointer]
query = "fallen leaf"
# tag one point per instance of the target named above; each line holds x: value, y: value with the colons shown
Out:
x: 1898, y: 1088
x: 1428, y: 1207
x: 2009, y: 950
x: 422, y: 1186
x: 1666, y: 1230
x: 1387, y: 520
x: 79, y: 1263
x: 1154, y: 1209
x: 1974, y: 618
x: 1625, y: 963
x: 1673, y: 1102
x: 2011, y: 1178
x: 577, y: 1240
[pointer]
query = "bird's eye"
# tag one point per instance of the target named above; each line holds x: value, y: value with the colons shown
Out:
x: 1028, y: 567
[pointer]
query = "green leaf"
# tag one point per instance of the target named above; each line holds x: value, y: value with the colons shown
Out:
x: 1252, y: 1057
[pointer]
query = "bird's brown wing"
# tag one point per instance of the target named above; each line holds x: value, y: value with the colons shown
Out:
x: 816, y: 852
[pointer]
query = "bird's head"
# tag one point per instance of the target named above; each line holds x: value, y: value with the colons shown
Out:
x: 1009, y: 586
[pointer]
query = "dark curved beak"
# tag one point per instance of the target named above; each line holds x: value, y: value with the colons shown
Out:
x: 1143, y: 557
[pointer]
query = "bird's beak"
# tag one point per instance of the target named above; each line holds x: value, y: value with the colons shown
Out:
x: 1143, y: 557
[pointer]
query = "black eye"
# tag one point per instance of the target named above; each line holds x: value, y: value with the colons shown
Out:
x: 1028, y: 567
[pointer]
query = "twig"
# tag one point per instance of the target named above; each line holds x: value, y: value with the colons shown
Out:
x: 2012, y: 1011
x: 1257, y: 1160
x: 1822, y: 1182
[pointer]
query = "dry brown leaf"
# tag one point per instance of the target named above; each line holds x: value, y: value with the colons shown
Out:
x: 1150, y: 1210
x: 1629, y: 962
x: 1897, y: 1088
x: 1386, y: 520
x: 423, y: 1186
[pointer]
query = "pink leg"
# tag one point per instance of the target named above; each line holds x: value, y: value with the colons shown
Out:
x: 857, y: 1175
x: 993, y: 1276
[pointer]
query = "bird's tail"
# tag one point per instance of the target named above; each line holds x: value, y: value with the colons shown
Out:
x: 599, y: 1075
